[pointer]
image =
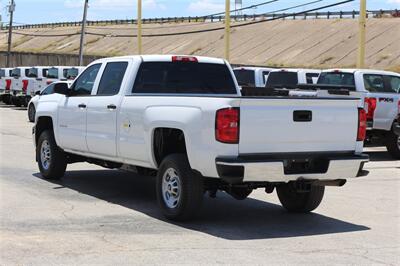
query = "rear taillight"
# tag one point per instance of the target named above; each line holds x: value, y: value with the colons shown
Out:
x: 25, y: 85
x: 371, y: 106
x: 184, y: 59
x: 227, y: 125
x: 362, y: 125
x: 8, y: 84
x: 49, y: 82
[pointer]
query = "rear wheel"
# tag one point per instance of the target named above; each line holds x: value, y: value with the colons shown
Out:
x: 16, y: 102
x: 393, y: 145
x: 300, y: 202
x: 179, y: 189
x: 7, y: 99
x: 31, y: 112
x: 51, y: 159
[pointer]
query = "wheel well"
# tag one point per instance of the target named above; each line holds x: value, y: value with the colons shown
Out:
x: 167, y: 141
x: 43, y: 123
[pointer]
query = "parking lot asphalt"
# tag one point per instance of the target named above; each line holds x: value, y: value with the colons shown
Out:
x: 98, y: 216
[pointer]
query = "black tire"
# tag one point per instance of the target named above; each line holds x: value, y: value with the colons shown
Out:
x: 31, y: 112
x: 7, y: 99
x: 392, y: 144
x: 300, y: 202
x: 191, y: 188
x: 56, y: 164
x: 17, y: 102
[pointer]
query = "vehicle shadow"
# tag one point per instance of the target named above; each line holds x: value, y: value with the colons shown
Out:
x: 379, y: 156
x: 222, y: 217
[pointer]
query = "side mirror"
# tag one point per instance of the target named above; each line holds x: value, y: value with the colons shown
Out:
x: 37, y: 93
x: 61, y: 88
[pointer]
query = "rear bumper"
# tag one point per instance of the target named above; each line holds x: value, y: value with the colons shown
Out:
x: 290, y: 167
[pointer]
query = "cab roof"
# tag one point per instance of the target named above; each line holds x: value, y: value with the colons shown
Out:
x: 164, y: 58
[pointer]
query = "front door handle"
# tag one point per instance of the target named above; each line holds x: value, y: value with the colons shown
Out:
x: 111, y: 107
x: 82, y: 106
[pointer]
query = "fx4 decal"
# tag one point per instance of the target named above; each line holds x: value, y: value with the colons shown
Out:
x: 386, y: 100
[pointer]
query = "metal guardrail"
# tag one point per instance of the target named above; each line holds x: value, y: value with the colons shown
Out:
x: 314, y: 15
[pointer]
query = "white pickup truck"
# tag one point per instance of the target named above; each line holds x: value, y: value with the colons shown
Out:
x: 5, y: 85
x: 289, y: 78
x: 380, y: 91
x: 185, y: 119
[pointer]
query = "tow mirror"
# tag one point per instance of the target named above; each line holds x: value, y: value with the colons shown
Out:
x: 61, y: 88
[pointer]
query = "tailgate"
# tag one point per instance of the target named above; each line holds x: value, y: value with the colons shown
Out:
x: 297, y: 125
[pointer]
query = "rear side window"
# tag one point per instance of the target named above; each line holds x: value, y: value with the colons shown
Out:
x: 374, y: 83
x: 111, y: 80
x: 245, y: 77
x: 311, y: 77
x: 184, y: 78
x: 52, y: 73
x: 32, y: 73
x: 16, y: 72
x: 282, y: 80
x: 2, y: 73
x: 337, y: 78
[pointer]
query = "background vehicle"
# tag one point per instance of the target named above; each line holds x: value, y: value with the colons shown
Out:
x: 62, y: 73
x: 251, y: 76
x: 184, y: 118
x: 5, y: 85
x: 381, y: 92
x: 19, y: 85
x: 36, y: 80
x: 32, y: 105
x: 289, y: 78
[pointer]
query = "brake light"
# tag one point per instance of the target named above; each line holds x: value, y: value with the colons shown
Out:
x: 227, y: 125
x: 371, y: 106
x: 25, y: 85
x: 49, y: 82
x: 8, y: 84
x: 184, y: 59
x: 362, y: 125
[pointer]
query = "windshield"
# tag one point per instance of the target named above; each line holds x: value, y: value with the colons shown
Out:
x: 337, y: 78
x: 16, y: 72
x: 72, y: 73
x: 52, y: 73
x: 185, y: 78
x: 245, y: 77
x: 32, y: 73
x: 282, y: 79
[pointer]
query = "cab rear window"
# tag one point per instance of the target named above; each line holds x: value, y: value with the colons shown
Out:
x: 245, y: 77
x: 282, y: 79
x: 184, y: 78
x: 337, y: 78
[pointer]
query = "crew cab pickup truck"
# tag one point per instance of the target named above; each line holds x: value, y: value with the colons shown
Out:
x: 381, y: 92
x: 5, y: 85
x: 19, y: 85
x: 185, y: 119
x: 62, y: 73
x: 251, y: 76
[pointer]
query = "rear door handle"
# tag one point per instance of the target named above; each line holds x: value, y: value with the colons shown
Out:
x: 82, y: 106
x: 111, y: 107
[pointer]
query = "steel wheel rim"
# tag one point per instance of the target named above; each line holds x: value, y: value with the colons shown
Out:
x: 45, y: 155
x: 171, y: 188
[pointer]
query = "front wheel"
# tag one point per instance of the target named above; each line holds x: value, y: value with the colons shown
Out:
x: 179, y: 189
x: 51, y: 159
x: 300, y: 202
x: 393, y: 145
x: 31, y: 113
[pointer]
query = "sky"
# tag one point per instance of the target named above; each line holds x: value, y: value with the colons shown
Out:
x: 41, y: 11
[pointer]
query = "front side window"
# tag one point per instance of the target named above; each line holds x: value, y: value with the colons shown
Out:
x: 84, y: 84
x: 374, y: 83
x: 52, y: 73
x: 245, y: 77
x: 184, y: 78
x: 32, y: 73
x: 112, y: 77
x: 393, y: 83
x: 16, y: 72
x: 48, y: 90
x: 336, y: 78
